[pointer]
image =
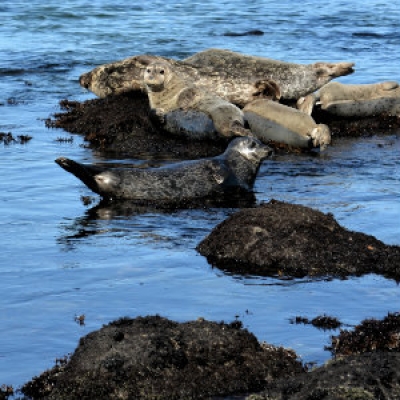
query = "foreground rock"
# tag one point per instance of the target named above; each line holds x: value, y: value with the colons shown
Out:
x: 281, y: 239
x: 367, y: 376
x: 370, y: 370
x: 121, y: 123
x: 152, y: 357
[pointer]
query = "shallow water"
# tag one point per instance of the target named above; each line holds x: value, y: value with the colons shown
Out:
x: 60, y: 258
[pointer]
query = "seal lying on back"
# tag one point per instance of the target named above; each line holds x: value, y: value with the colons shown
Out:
x: 235, y: 77
x: 235, y: 169
x: 269, y: 120
x: 355, y: 100
x: 168, y: 92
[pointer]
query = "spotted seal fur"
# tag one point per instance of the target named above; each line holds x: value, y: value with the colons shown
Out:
x: 362, y: 100
x: 235, y: 169
x: 269, y: 120
x: 294, y: 80
x: 236, y: 77
x: 168, y: 92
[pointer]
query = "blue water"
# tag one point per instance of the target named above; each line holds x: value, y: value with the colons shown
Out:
x: 60, y: 259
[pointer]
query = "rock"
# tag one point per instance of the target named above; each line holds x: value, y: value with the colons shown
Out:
x: 287, y: 240
x: 370, y: 335
x: 153, y: 357
x: 367, y: 376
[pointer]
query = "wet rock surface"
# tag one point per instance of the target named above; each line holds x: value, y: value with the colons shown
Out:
x: 321, y: 322
x: 288, y: 240
x: 153, y: 357
x: 8, y: 138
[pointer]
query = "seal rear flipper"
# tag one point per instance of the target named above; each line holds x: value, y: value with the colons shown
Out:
x: 85, y: 173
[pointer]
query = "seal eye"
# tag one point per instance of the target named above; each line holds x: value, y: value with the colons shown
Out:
x: 162, y: 72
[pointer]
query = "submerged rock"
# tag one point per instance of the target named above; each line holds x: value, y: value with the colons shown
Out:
x: 287, y: 240
x: 153, y: 357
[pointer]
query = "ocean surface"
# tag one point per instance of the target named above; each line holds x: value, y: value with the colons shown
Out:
x: 59, y: 261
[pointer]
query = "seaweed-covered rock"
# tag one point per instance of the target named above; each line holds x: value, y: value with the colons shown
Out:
x: 281, y: 239
x: 370, y: 335
x: 121, y: 123
x: 367, y: 376
x: 153, y: 357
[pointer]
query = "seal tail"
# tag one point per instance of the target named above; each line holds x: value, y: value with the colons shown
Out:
x: 85, y: 173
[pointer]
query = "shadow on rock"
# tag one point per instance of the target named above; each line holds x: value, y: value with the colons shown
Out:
x: 153, y: 357
x: 287, y: 240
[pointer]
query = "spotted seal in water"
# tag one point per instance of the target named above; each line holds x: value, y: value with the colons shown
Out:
x: 233, y: 170
x: 269, y: 120
x: 168, y: 92
x: 363, y: 100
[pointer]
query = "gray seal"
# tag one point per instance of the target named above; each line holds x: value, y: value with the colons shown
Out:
x: 235, y: 169
x: 168, y: 92
x: 293, y: 80
x: 236, y: 77
x: 269, y: 120
x: 363, y: 100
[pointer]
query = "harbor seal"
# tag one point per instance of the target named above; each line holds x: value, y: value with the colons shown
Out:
x: 168, y: 92
x: 232, y: 171
x: 127, y: 75
x: 294, y: 80
x: 363, y: 100
x: 236, y: 77
x: 272, y: 121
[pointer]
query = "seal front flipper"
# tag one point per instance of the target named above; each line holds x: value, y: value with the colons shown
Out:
x: 86, y: 173
x: 219, y: 172
x: 266, y: 89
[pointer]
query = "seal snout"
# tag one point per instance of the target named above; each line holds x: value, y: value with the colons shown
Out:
x: 85, y: 80
x: 62, y: 162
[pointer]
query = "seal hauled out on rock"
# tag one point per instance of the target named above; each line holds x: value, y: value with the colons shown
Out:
x: 293, y: 80
x: 269, y: 120
x: 168, y: 92
x: 363, y: 100
x: 235, y: 169
x: 127, y: 75
x: 236, y: 77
